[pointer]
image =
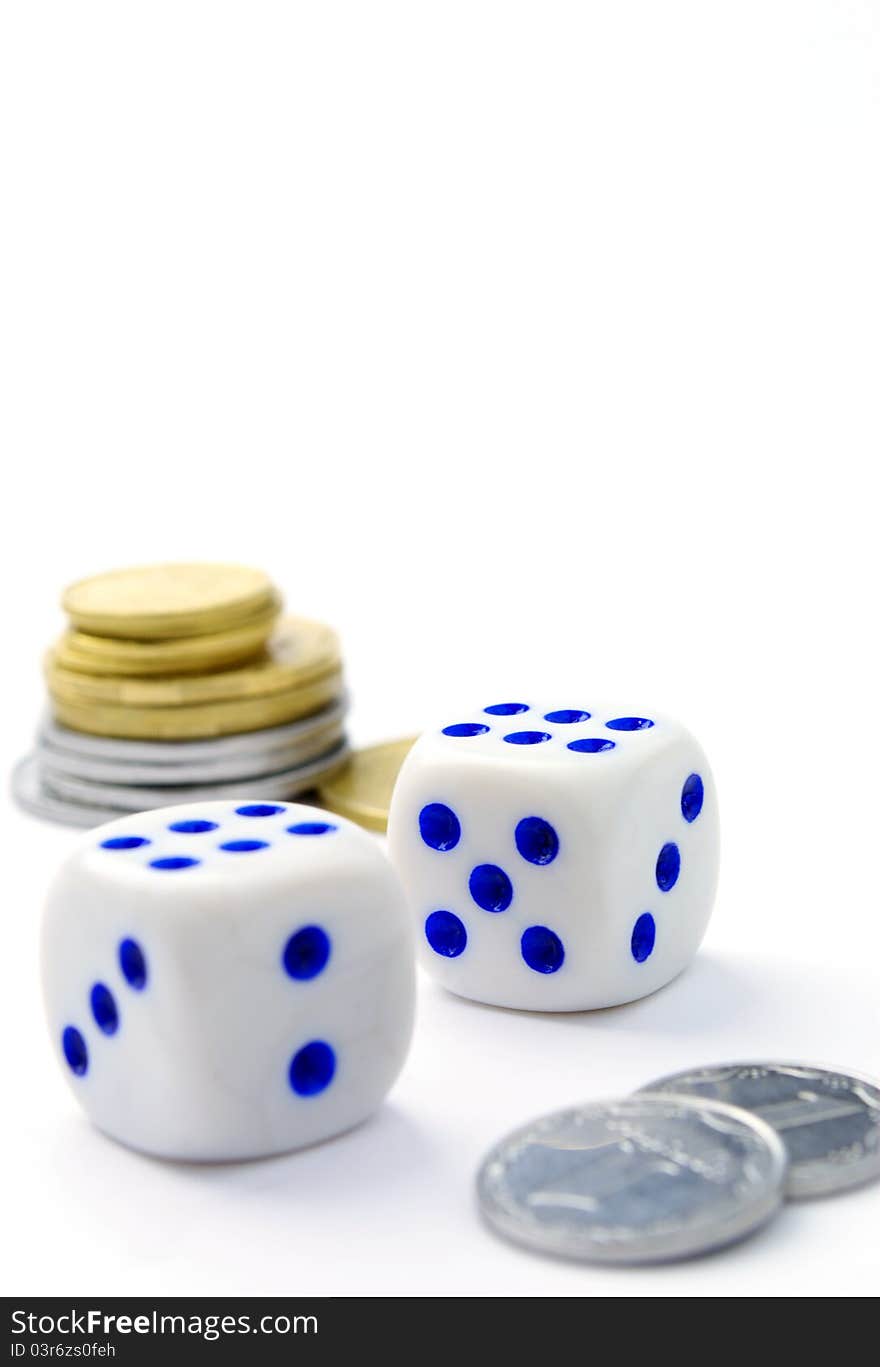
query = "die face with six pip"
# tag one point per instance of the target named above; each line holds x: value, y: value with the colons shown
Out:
x: 556, y: 858
x: 228, y: 980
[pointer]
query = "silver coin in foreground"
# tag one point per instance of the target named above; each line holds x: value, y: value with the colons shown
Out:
x: 33, y: 798
x: 644, y: 1179
x: 828, y: 1121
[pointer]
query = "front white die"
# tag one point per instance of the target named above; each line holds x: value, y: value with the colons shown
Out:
x: 228, y: 980
x: 556, y: 858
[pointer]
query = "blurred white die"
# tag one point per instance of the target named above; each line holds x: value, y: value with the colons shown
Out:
x: 556, y: 858
x: 228, y: 980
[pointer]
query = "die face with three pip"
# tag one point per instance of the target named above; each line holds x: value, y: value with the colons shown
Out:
x: 228, y: 980
x: 556, y: 858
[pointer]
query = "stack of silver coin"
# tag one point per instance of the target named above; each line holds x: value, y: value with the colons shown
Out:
x: 84, y: 780
x: 689, y: 1163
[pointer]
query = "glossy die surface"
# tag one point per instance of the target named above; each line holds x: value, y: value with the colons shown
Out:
x: 556, y: 858
x: 227, y: 980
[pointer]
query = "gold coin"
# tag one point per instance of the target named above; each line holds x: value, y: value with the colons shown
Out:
x: 156, y: 602
x: 298, y: 653
x: 362, y: 790
x: 190, y: 654
x: 201, y: 720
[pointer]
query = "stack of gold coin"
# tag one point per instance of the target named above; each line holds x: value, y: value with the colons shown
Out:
x: 175, y: 683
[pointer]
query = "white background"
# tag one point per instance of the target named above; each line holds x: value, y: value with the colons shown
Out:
x: 535, y: 346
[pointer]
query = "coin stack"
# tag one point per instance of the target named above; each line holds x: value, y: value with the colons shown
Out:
x: 176, y: 683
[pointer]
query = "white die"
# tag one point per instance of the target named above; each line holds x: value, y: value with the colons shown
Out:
x: 556, y: 859
x: 228, y: 980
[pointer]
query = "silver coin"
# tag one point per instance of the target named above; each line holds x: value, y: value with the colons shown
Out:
x: 242, y: 764
x: 828, y: 1121
x: 139, y: 798
x: 270, y: 739
x: 644, y: 1179
x: 32, y: 797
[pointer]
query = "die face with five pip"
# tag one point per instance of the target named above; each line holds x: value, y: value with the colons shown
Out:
x: 228, y: 980
x: 556, y: 858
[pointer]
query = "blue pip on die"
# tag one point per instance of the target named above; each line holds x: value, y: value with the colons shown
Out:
x: 228, y: 980
x: 556, y: 858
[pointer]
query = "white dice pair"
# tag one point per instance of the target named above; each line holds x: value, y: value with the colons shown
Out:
x: 232, y: 980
